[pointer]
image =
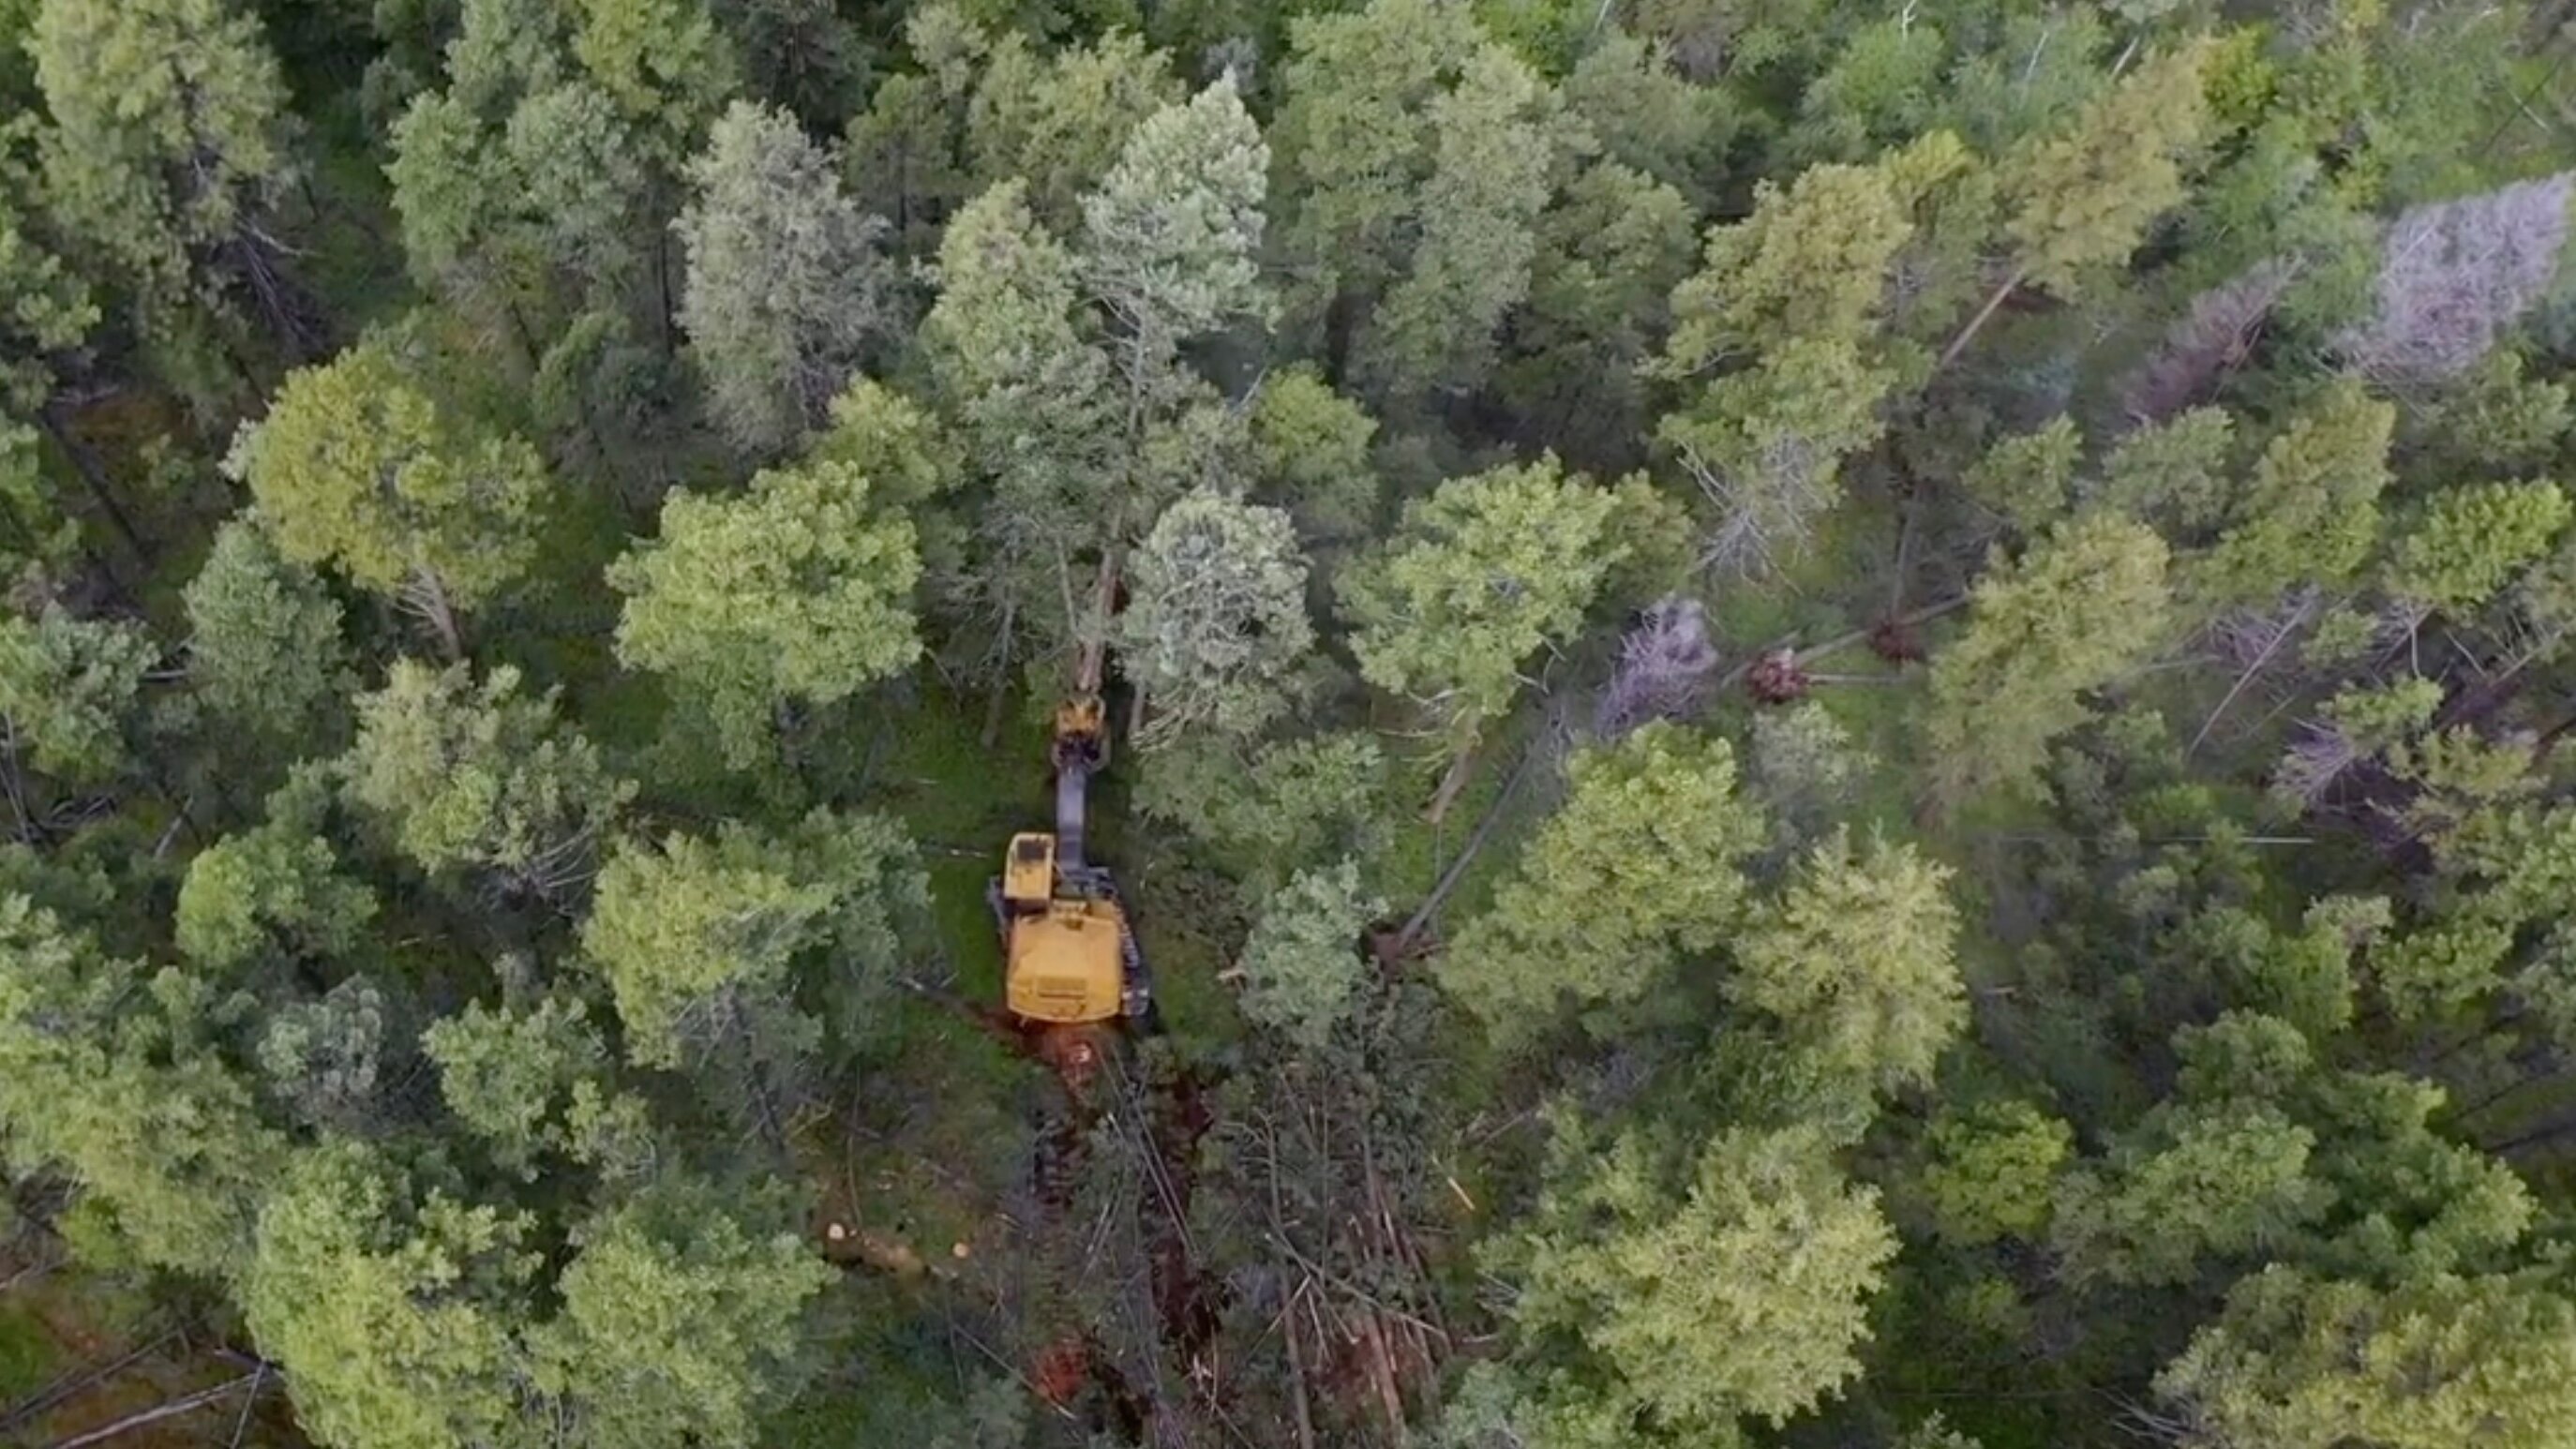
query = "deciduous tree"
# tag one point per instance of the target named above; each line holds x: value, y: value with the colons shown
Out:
x: 797, y: 592
x: 279, y: 890
x: 483, y: 777
x: 665, y: 63
x: 1058, y: 122
x: 1355, y: 138
x: 359, y: 467
x: 509, y: 1073
x: 2473, y: 540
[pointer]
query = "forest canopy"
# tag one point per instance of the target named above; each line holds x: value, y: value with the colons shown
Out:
x: 1831, y: 724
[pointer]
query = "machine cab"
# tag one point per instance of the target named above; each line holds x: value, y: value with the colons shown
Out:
x: 1064, y: 948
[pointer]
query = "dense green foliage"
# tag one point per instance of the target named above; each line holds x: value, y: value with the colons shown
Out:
x: 1819, y: 711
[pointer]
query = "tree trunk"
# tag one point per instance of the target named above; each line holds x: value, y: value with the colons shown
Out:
x: 1461, y: 768
x: 527, y: 334
x: 1420, y: 920
x: 662, y: 295
x: 427, y: 597
x: 1984, y: 315
x: 1297, y: 1375
x: 171, y: 1410
x: 85, y: 463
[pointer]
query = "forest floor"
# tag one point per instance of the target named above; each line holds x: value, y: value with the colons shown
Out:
x: 81, y: 1356
x: 939, y: 1171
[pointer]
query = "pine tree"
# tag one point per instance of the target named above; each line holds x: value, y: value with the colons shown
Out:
x: 1483, y: 573
x: 168, y: 144
x: 786, y: 289
x: 1215, y: 621
x: 1855, y: 959
x: 2084, y: 605
x: 1746, y: 1294
x: 1436, y: 330
x: 483, y: 777
x: 2302, y: 1363
x: 2081, y: 197
x: 1636, y: 871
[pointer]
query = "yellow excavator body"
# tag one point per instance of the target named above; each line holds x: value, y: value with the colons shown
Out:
x: 1066, y: 962
x: 1068, y: 954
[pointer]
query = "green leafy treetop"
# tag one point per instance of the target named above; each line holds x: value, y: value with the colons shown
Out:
x: 2298, y: 1362
x: 2473, y: 540
x: 2085, y: 605
x: 1746, y: 1295
x: 508, y: 1074
x: 483, y: 777
x: 664, y: 62
x: 2026, y: 477
x: 786, y: 288
x: 406, y: 1317
x: 1484, y: 573
x: 1215, y: 622
x: 701, y: 941
x: 1437, y: 329
x: 107, y: 1075
x: 168, y: 129
x: 2078, y: 200
x: 1637, y: 868
x: 392, y: 1313
x: 1302, y: 967
x: 278, y: 890
x: 1855, y: 959
x: 69, y: 692
x: 797, y: 591
x: 1034, y: 403
x: 51, y: 307
x: 1790, y: 301
x: 1171, y: 236
x: 1809, y: 262
x: 681, y: 1324
x: 2312, y: 512
x: 1057, y: 121
x: 1277, y: 807
x: 1993, y: 1172
x: 2188, y: 1187
x: 1355, y: 136
x: 356, y: 466
x: 1310, y: 455
x: 265, y: 651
